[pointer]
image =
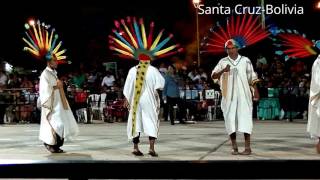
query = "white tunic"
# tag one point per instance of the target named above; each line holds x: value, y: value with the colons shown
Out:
x: 147, y: 121
x: 313, y: 127
x: 236, y: 103
x: 54, y: 118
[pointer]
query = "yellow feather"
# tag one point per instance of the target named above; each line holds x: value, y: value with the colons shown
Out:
x: 123, y: 45
x: 61, y: 57
x: 40, y: 35
x: 144, y: 38
x: 154, y: 44
x: 158, y: 53
x: 36, y: 34
x: 123, y: 52
x: 60, y: 52
x: 57, y: 48
x: 50, y: 41
x: 131, y: 37
x: 36, y: 53
x: 30, y: 45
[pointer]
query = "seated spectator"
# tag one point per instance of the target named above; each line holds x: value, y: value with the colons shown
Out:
x: 261, y: 60
x: 194, y: 75
x: 203, y: 75
x: 26, y: 83
x: 13, y: 81
x: 108, y: 80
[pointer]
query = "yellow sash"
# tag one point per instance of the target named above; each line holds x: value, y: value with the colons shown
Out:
x: 224, y: 89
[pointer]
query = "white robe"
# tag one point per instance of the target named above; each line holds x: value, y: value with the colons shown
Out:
x: 313, y: 127
x: 54, y: 118
x: 237, y: 102
x: 147, y: 121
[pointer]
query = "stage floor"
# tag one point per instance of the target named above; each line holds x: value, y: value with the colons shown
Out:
x: 271, y: 140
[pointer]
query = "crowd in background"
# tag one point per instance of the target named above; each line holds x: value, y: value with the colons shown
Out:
x: 292, y: 83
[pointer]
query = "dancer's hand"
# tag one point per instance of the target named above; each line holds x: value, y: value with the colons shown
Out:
x: 256, y: 95
x: 126, y: 104
x: 218, y: 75
x: 226, y: 69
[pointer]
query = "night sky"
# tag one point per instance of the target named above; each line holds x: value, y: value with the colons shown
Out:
x: 85, y: 26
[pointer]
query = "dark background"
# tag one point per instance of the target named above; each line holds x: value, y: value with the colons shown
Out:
x: 85, y: 26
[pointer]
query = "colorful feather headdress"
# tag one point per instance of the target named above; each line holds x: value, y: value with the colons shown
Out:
x: 130, y: 40
x: 41, y: 41
x: 245, y: 30
x: 291, y: 44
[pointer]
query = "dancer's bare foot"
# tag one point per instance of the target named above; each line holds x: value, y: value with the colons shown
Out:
x: 318, y: 148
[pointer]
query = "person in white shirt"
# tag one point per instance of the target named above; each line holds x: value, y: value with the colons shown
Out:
x: 203, y: 74
x: 194, y: 75
x: 108, y: 80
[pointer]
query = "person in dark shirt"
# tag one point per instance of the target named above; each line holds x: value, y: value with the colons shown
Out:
x: 171, y: 95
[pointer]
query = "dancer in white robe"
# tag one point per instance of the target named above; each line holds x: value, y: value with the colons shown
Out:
x: 148, y: 104
x: 237, y: 80
x: 143, y: 80
x: 57, y: 120
x: 313, y: 127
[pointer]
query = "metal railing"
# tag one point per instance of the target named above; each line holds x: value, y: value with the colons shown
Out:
x: 20, y: 105
x: 207, y: 103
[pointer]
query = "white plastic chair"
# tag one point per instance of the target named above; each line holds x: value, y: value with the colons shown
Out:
x: 97, y: 103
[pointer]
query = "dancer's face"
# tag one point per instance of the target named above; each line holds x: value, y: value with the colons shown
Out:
x: 232, y: 51
x: 53, y: 64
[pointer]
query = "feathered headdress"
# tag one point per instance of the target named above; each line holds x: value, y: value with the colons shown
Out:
x: 291, y: 44
x: 129, y: 40
x: 231, y: 43
x: 41, y: 41
x: 245, y: 30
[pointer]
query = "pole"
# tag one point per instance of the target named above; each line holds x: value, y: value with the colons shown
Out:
x: 263, y: 18
x: 197, y: 23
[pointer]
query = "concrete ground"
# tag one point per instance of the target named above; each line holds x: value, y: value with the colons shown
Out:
x: 271, y: 140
